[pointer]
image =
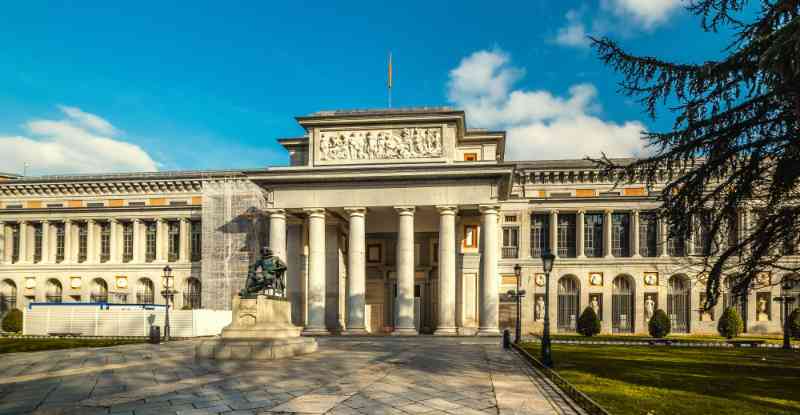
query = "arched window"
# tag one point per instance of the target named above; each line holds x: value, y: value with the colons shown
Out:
x: 99, y: 291
x: 191, y: 294
x: 54, y: 291
x: 144, y: 291
x: 8, y: 296
x: 736, y: 300
x: 678, y: 303
x: 568, y: 303
x: 622, y: 310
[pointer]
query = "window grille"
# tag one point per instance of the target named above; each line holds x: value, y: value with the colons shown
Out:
x: 510, y: 241
x: 702, y: 234
x: 593, y: 235
x: 105, y: 242
x: 568, y: 304
x: 174, y: 232
x: 53, y: 293
x: 197, y: 247
x: 620, y: 234
x: 8, y: 296
x: 99, y: 291
x: 150, y: 251
x: 648, y: 234
x: 622, y: 310
x: 127, y: 242
x: 60, y: 242
x: 566, y: 236
x: 676, y: 245
x: 37, y: 242
x: 733, y: 230
x: 144, y: 292
x: 678, y: 304
x: 83, y: 234
x: 15, y: 243
x: 540, y: 230
x: 191, y: 296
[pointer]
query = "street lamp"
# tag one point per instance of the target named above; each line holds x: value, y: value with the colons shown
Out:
x: 168, y: 292
x: 518, y: 295
x: 547, y: 265
x: 786, y: 298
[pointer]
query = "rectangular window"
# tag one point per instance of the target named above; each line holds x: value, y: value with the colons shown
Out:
x: 15, y: 243
x: 127, y: 242
x: 470, y: 236
x: 701, y: 234
x: 197, y: 246
x: 648, y: 234
x: 510, y: 241
x: 676, y: 245
x: 60, y: 242
x: 174, y: 245
x: 470, y: 156
x: 593, y: 235
x: 105, y: 241
x: 620, y: 234
x: 566, y: 236
x: 540, y: 230
x: 83, y: 235
x: 733, y: 230
x: 37, y: 242
x: 151, y: 233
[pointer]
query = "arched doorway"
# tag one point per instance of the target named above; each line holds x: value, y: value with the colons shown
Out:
x: 54, y: 290
x: 144, y: 291
x: 622, y: 310
x: 736, y: 300
x: 8, y: 296
x: 568, y: 303
x: 191, y: 294
x: 678, y: 303
x: 99, y: 291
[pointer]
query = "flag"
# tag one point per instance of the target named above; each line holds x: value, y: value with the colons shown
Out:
x: 389, y: 81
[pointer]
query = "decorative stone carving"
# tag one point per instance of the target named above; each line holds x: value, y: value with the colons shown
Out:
x: 540, y: 280
x: 651, y: 278
x: 596, y: 278
x: 649, y: 306
x: 594, y: 303
x: 391, y: 144
x: 539, y: 308
x: 763, y: 307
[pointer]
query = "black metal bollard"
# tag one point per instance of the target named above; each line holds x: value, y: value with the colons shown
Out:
x: 506, y: 339
x: 155, y: 334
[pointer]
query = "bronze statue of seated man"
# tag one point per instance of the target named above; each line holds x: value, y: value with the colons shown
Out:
x: 267, y: 273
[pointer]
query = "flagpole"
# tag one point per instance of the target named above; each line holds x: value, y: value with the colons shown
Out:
x: 389, y: 80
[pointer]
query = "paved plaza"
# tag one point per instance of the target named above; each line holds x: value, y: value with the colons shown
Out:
x: 358, y: 375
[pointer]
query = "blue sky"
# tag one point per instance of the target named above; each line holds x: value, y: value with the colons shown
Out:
x: 201, y: 85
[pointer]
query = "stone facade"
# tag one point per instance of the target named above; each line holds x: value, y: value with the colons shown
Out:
x: 391, y: 221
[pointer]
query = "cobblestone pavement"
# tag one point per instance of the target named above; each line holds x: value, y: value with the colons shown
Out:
x: 348, y: 375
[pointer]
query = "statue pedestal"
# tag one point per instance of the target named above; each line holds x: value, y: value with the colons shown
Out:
x: 261, y: 329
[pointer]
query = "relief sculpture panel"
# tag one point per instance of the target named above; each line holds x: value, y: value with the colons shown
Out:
x: 387, y: 145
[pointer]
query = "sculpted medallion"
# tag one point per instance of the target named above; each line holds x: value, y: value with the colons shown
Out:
x: 394, y: 144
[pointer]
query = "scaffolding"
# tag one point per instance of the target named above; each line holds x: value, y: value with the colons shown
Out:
x: 234, y: 228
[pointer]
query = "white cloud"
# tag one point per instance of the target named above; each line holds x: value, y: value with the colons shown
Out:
x: 648, y: 13
x: 540, y: 125
x: 574, y: 33
x: 81, y: 143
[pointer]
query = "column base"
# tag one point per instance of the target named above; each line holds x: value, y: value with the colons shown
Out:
x: 581, y: 256
x: 315, y: 331
x: 405, y: 331
x: 467, y: 331
x: 445, y: 331
x: 488, y: 332
x: 636, y: 256
x: 355, y: 331
x: 609, y: 257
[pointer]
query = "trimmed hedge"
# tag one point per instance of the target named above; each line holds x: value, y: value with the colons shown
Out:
x: 794, y: 323
x: 730, y: 324
x: 659, y: 325
x: 588, y: 323
x: 12, y: 322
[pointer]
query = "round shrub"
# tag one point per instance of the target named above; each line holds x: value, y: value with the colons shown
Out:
x: 794, y: 323
x: 659, y: 325
x: 588, y: 323
x: 730, y: 324
x: 12, y: 322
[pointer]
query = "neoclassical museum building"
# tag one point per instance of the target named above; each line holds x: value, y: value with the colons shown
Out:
x: 391, y: 221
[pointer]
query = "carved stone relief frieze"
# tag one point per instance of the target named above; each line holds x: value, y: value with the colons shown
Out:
x: 391, y: 144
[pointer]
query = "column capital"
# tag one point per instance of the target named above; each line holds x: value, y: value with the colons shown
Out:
x: 489, y: 209
x: 90, y: 221
x: 608, y: 211
x: 22, y: 222
x: 45, y: 221
x: 275, y: 212
x: 356, y: 211
x: 113, y: 220
x: 136, y: 220
x: 314, y: 212
x: 405, y: 210
x: 553, y: 211
x: 581, y: 211
x: 447, y: 209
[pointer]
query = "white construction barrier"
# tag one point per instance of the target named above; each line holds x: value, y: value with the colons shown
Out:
x: 95, y: 319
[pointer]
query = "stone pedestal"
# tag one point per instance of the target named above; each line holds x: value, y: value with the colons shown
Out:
x: 261, y: 329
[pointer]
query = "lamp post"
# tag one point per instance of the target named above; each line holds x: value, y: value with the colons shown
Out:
x: 786, y: 298
x: 167, y: 293
x: 518, y: 295
x: 547, y: 265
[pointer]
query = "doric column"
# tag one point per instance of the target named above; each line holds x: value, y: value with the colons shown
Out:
x: 277, y: 232
x: 356, y: 271
x: 489, y: 320
x: 663, y: 243
x: 184, y: 248
x: 607, y: 233
x: 405, y: 271
x: 447, y: 270
x: 579, y: 233
x: 316, y: 272
x: 554, y: 232
x: 45, y: 242
x: 138, y: 254
x: 161, y: 248
x: 69, y: 256
x: 635, y: 234
x: 23, y: 241
x: 91, y: 249
x: 114, y: 243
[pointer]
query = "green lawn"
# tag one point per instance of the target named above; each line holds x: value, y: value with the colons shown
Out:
x: 773, y: 339
x: 32, y: 345
x: 686, y: 381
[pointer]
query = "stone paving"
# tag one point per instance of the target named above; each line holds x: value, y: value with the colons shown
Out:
x: 347, y: 376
